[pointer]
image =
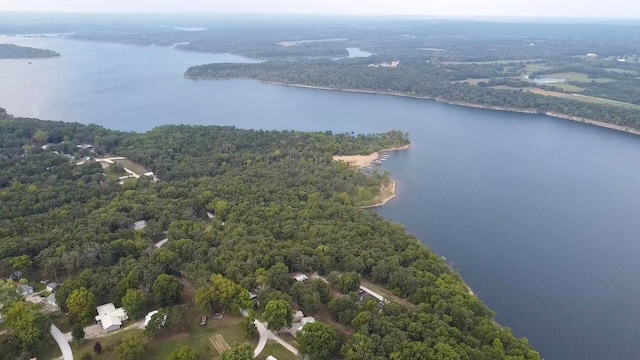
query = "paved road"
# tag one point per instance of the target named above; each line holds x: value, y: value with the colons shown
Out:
x: 282, y: 342
x: 264, y: 336
x: 62, y: 343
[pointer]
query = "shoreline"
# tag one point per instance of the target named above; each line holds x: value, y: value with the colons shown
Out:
x: 470, y: 105
x: 385, y: 200
x: 361, y: 161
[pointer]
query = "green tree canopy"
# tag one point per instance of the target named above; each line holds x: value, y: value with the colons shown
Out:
x: 183, y: 353
x: 28, y: 324
x: 82, y: 304
x: 166, y: 290
x: 77, y: 332
x: 318, y: 340
x: 238, y: 352
x: 133, y: 303
x: 131, y: 348
x: 277, y: 314
x: 221, y: 293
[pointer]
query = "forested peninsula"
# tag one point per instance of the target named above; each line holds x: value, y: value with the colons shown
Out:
x: 10, y: 51
x: 444, y: 82
x: 251, y: 206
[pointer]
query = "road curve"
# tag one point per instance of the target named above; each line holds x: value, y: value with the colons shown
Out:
x: 59, y: 337
x: 264, y: 336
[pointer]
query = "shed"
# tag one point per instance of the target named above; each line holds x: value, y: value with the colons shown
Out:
x: 52, y: 286
x: 51, y: 300
x: 25, y: 290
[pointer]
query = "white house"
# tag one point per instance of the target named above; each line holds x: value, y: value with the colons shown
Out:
x: 300, y: 277
x: 25, y: 290
x: 297, y: 316
x: 307, y: 320
x: 52, y: 286
x: 110, y: 317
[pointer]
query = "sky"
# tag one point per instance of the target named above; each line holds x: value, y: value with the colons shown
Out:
x: 519, y: 8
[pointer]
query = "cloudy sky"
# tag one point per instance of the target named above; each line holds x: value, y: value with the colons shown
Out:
x: 545, y: 8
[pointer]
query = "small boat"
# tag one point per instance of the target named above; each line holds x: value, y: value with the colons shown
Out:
x: 377, y: 162
x: 29, y: 62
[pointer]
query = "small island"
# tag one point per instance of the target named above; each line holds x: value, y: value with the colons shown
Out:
x: 10, y: 51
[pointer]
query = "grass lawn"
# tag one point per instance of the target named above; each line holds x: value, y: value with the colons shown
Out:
x: 60, y: 320
x: 112, y: 174
x: 535, y: 67
x: 276, y: 350
x: 108, y: 345
x: 574, y: 76
x: 621, y: 71
x: 490, y: 62
x: 568, y: 87
x: 471, y: 81
x: 583, y: 98
x: 50, y: 350
x: 137, y: 168
x: 37, y: 286
x: 197, y: 337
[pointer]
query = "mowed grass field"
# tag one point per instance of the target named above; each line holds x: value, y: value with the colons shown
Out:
x: 567, y: 87
x: 196, y: 336
x: 276, y: 350
x: 574, y: 76
x: 621, y: 71
x: 583, y: 98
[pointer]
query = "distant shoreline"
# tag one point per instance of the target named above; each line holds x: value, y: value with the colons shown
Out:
x: 360, y: 161
x: 470, y: 105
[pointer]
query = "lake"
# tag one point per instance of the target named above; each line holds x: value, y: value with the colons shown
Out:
x: 539, y: 215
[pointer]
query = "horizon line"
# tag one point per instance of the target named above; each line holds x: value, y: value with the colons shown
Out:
x: 325, y: 15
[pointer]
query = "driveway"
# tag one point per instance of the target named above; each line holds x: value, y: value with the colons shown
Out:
x: 264, y: 335
x: 59, y: 337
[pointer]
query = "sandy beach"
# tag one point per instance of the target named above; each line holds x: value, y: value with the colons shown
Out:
x: 360, y: 161
x: 387, y: 192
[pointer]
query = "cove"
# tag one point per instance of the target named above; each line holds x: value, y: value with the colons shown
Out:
x: 539, y: 215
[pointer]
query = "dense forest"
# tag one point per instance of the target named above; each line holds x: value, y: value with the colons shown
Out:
x: 9, y: 51
x: 250, y: 207
x: 416, y: 77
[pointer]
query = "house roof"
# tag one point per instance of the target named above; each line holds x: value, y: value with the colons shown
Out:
x: 139, y: 225
x: 51, y: 299
x: 300, y: 277
x: 108, y: 315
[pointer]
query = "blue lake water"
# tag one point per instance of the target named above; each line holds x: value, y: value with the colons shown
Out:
x: 540, y: 216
